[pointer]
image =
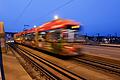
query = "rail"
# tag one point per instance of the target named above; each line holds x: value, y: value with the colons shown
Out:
x: 55, y: 72
x: 100, y: 64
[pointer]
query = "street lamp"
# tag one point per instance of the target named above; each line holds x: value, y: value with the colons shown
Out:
x: 56, y: 17
x: 34, y: 26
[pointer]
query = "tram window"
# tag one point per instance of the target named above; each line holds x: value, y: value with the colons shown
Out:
x: 27, y: 37
x: 70, y: 33
x: 42, y: 36
x: 30, y: 37
x: 54, y: 36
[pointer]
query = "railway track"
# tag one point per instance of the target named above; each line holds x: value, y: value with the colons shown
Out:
x: 43, y: 66
x: 111, y: 68
x: 50, y: 70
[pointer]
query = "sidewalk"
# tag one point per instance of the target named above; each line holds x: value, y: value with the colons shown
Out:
x: 12, y: 68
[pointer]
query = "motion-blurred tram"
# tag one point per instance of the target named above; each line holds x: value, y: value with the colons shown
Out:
x: 60, y: 36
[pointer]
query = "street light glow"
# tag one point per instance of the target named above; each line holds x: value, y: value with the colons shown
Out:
x: 56, y: 17
x: 34, y: 26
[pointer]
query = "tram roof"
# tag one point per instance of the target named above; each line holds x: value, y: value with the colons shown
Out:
x: 59, y: 23
x: 25, y: 32
x: 18, y: 34
x: 55, y: 24
x: 29, y: 31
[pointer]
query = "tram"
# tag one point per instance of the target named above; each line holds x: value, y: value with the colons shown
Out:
x: 60, y: 36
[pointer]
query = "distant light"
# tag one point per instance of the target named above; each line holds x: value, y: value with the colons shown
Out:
x: 56, y: 17
x: 34, y: 26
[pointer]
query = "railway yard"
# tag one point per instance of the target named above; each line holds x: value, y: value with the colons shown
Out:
x: 95, y: 63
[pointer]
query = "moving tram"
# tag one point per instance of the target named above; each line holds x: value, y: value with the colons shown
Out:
x: 60, y: 36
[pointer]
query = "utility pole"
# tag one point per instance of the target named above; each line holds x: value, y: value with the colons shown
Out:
x: 98, y: 37
x: 116, y: 35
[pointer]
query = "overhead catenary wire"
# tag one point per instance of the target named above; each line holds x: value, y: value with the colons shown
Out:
x: 57, y: 8
x: 48, y: 13
x: 23, y: 11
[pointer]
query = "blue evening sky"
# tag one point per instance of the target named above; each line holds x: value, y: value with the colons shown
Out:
x: 96, y: 16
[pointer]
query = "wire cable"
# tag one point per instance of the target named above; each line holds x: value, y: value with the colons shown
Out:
x: 57, y: 8
x: 23, y: 11
x: 29, y: 3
